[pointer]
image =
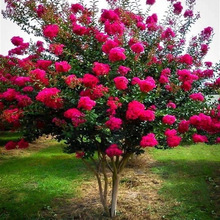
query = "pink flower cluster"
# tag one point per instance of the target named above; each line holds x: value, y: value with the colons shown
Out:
x: 22, y: 144
x: 21, y: 80
x: 39, y: 76
x: 164, y: 77
x: 77, y: 8
x: 114, y: 28
x: 206, y: 33
x: 113, y: 150
x: 19, y: 50
x: 50, y: 98
x: 110, y: 15
x: 186, y: 59
x: 121, y: 82
x: 123, y: 70
x: 151, y: 22
x: 114, y: 123
x: 100, y: 37
x: 183, y: 126
x: 147, y: 85
x: 20, y: 46
x: 137, y: 47
x: 187, y: 78
x: 90, y: 80
x: 40, y: 10
x: 168, y: 34
x: 188, y: 13
x: 101, y: 69
x: 114, y: 103
x: 43, y: 64
x: 117, y: 54
x: 10, y: 94
x: 17, y: 41
x: 137, y: 110
x: 62, y: 66
x: 150, y: 2
x: 148, y: 141
x: 197, y: 138
x: 57, y: 49
x: 197, y: 97
x: 76, y: 116
x: 12, y: 115
x: 79, y: 29
x: 95, y: 92
x: 169, y: 119
x: 172, y: 105
x: 28, y: 89
x: 86, y: 103
x: 72, y: 81
x: 178, y: 8
x: 172, y: 139
x: 206, y: 122
x: 23, y: 100
x: 51, y: 31
x: 108, y: 45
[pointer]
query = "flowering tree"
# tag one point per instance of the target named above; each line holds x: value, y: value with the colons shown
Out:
x: 111, y: 85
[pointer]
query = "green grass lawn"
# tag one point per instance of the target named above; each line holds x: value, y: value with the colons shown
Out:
x: 28, y: 184
x: 191, y: 176
x: 31, y: 182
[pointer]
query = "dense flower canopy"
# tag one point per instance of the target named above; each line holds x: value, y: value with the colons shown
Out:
x: 117, y: 83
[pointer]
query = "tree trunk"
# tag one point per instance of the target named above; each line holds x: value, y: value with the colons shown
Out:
x: 115, y: 185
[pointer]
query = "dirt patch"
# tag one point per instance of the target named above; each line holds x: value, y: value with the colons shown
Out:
x: 138, y: 196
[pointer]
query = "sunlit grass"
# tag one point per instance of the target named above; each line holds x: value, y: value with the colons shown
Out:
x: 188, y: 174
x: 30, y: 183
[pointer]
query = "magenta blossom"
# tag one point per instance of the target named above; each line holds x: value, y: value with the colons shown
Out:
x: 113, y: 150
x: 117, y: 54
x: 150, y: 2
x: 178, y: 8
x: 169, y: 119
x: 121, y: 82
x: 51, y: 31
x: 86, y: 103
x: 114, y: 123
x: 149, y: 140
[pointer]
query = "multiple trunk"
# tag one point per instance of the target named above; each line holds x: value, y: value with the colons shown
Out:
x: 116, y: 166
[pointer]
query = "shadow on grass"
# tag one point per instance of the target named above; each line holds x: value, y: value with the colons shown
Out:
x: 9, y: 136
x: 29, y: 184
x: 189, y: 188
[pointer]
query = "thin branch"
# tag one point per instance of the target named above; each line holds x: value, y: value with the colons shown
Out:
x: 123, y: 162
x: 105, y: 179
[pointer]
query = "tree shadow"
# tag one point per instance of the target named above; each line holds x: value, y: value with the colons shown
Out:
x: 29, y: 184
x: 190, y: 188
x: 9, y: 136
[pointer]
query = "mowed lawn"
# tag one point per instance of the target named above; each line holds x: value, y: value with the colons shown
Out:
x: 191, y: 181
x: 31, y: 180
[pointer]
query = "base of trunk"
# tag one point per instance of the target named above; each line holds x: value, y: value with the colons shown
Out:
x: 115, y: 185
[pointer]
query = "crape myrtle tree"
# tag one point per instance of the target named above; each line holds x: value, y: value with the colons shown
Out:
x: 110, y: 83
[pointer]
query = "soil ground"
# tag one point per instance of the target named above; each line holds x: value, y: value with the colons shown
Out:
x: 138, y: 196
